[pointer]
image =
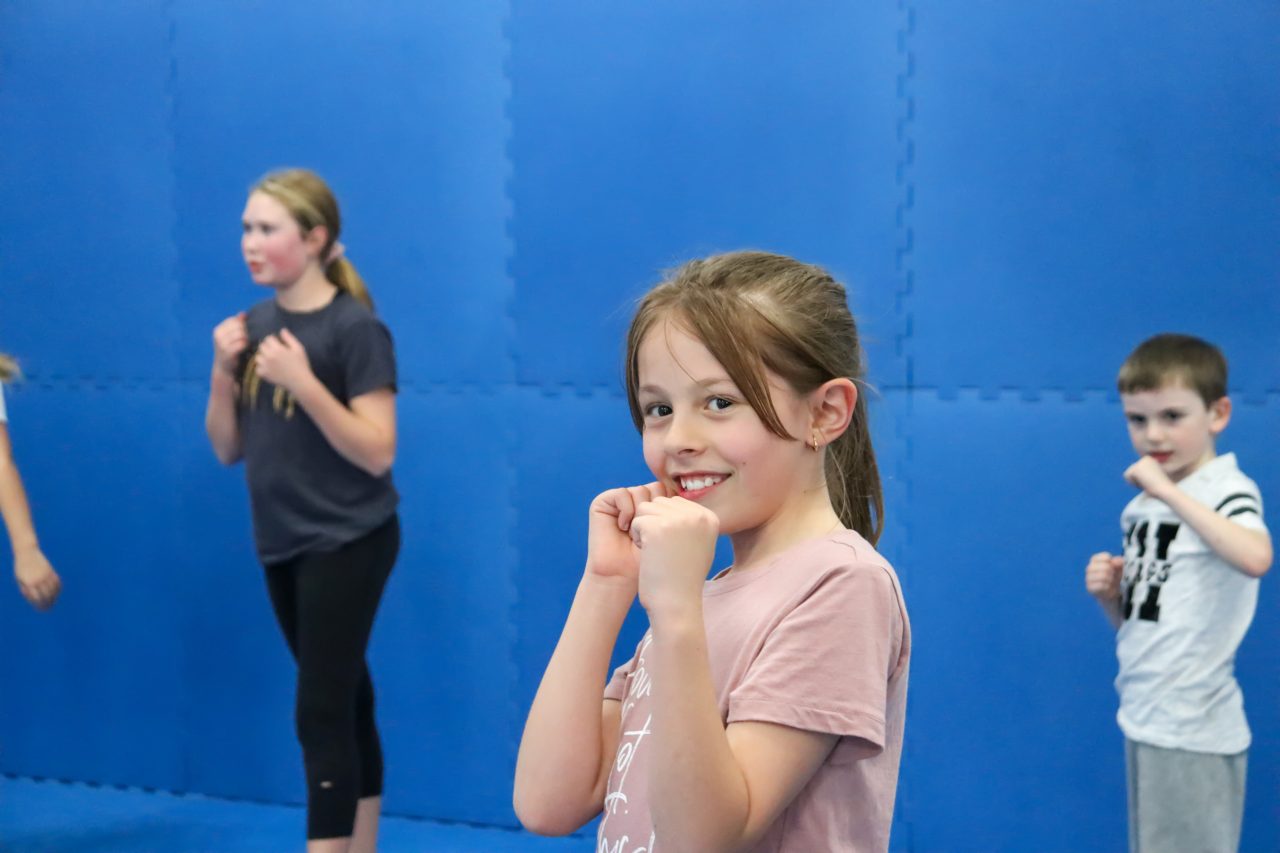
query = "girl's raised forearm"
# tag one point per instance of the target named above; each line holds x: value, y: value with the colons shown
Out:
x: 565, y: 751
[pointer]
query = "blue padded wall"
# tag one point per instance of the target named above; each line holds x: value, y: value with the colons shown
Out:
x: 400, y: 106
x: 1013, y: 664
x: 93, y: 690
x: 86, y: 169
x: 1016, y: 194
x: 643, y: 135
x: 1081, y: 172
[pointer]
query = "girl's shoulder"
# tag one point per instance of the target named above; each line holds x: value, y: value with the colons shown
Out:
x: 844, y: 552
x: 842, y: 560
x: 844, y: 567
x: 261, y: 308
x: 347, y: 313
x: 850, y: 577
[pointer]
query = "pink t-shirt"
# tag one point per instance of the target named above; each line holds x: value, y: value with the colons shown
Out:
x: 817, y: 639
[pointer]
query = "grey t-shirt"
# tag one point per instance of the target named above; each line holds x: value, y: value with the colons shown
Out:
x: 305, y: 496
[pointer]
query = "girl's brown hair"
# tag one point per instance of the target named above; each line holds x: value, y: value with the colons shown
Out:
x: 310, y: 201
x: 8, y: 368
x: 755, y: 311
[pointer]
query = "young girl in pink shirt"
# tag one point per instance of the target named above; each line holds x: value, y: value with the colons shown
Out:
x: 764, y: 708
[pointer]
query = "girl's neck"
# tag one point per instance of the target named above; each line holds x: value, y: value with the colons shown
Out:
x: 811, y: 517
x: 311, y: 292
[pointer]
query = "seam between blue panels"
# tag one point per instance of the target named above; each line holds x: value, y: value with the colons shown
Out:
x: 905, y: 286
x: 903, y: 177
x: 185, y: 758
x: 1015, y: 394
x: 511, y: 513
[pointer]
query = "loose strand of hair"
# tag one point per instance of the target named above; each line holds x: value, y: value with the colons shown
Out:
x: 8, y: 368
x: 854, y: 478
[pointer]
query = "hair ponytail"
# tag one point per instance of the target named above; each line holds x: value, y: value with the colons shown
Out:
x: 853, y: 477
x: 342, y: 273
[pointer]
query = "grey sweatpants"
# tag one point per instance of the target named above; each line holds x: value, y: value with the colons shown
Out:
x: 1184, y: 802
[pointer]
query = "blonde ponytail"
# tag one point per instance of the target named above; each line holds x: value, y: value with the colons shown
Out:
x: 342, y: 273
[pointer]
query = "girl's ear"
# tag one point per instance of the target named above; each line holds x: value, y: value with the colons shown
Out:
x: 316, y: 239
x: 831, y: 406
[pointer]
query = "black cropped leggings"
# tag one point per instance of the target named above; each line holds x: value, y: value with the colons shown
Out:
x: 325, y: 604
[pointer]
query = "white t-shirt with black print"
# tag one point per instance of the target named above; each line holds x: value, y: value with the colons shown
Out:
x: 1185, y: 611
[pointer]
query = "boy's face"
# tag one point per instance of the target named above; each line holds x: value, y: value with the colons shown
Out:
x: 1173, y: 426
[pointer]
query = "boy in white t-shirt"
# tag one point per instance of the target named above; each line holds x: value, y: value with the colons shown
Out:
x: 36, y: 579
x: 1181, y: 597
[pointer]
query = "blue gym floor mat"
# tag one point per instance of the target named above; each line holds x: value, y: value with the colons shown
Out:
x: 56, y: 817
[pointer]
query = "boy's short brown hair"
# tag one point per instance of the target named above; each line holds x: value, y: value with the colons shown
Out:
x: 1175, y: 359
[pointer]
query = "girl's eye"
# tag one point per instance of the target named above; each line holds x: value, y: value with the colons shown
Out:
x: 1173, y: 417
x: 657, y: 410
x: 719, y: 404
x: 1137, y: 420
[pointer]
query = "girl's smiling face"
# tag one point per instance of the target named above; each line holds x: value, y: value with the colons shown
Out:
x: 275, y: 249
x: 708, y: 445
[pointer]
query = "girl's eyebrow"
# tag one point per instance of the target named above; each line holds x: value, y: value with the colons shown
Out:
x: 705, y: 383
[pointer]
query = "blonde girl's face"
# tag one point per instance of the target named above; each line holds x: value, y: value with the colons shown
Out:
x: 705, y: 442
x: 272, y: 243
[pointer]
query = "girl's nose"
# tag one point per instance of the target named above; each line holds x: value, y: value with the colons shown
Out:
x: 682, y: 435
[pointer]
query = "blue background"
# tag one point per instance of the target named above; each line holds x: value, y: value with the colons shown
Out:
x: 1015, y: 193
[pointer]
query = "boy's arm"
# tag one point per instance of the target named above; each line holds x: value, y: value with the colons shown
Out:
x: 1245, y: 549
x: 1102, y: 580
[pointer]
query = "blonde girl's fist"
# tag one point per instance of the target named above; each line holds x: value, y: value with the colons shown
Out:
x: 611, y: 552
x: 282, y: 360
x: 1102, y: 576
x: 230, y: 339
